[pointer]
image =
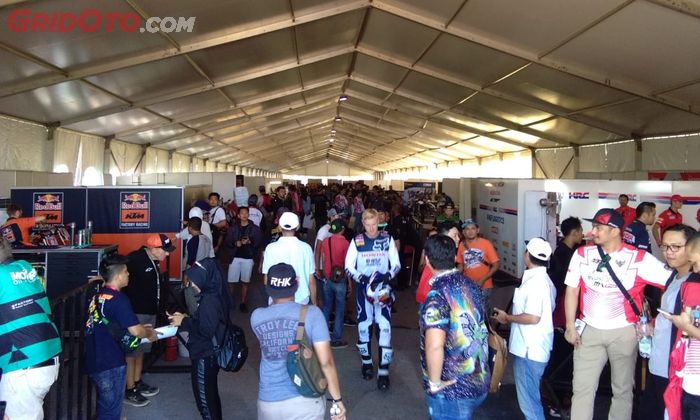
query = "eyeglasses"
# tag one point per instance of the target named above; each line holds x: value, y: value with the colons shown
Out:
x: 672, y: 248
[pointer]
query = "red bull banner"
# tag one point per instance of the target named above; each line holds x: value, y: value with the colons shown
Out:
x: 49, y: 205
x: 135, y: 210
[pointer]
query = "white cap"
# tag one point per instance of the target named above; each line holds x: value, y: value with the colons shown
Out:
x: 196, y: 212
x: 289, y: 221
x: 539, y: 248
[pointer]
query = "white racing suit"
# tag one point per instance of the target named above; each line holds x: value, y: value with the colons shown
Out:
x: 367, y: 257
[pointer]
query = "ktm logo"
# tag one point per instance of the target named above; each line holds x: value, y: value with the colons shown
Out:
x: 134, y: 216
x: 579, y: 195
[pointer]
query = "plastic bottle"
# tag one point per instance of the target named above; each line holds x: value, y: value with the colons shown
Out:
x: 644, y: 332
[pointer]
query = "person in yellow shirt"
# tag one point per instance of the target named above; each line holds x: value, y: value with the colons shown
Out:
x: 477, y: 259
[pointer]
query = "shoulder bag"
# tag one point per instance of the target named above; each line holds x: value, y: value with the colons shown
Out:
x: 302, y: 364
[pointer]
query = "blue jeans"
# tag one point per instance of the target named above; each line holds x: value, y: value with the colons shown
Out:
x: 527, y: 385
x: 335, y: 292
x: 110, y: 385
x: 440, y: 408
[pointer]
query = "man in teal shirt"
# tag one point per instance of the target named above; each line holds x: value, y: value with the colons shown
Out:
x: 29, y: 341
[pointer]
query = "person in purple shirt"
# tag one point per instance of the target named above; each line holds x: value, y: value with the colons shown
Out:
x: 454, y: 337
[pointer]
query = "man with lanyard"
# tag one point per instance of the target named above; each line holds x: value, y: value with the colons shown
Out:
x: 143, y: 292
x: 477, y: 259
x: 218, y: 221
x: 30, y: 341
x: 111, y: 330
x: 373, y: 261
x: 668, y: 218
x: 605, y: 283
x: 627, y: 212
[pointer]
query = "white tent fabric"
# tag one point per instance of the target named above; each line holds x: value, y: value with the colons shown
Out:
x: 24, y: 146
x: 680, y: 153
x: 258, y: 84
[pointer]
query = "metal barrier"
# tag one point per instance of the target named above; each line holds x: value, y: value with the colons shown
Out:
x: 73, y: 395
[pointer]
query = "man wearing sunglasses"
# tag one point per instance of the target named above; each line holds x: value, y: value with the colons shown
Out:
x: 605, y: 283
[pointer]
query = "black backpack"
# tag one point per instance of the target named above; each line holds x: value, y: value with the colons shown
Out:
x: 232, y: 352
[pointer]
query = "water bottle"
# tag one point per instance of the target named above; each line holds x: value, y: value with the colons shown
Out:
x: 644, y: 332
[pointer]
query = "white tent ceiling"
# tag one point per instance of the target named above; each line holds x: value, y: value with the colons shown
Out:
x: 256, y: 83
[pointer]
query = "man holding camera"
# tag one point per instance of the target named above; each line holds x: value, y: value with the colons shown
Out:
x: 335, y: 284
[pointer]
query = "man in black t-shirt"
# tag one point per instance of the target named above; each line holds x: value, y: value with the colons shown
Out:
x: 572, y: 231
x: 144, y: 293
x: 636, y: 233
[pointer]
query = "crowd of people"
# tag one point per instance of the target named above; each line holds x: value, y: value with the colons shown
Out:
x: 596, y: 291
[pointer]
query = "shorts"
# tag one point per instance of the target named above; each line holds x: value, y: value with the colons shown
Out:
x: 143, y: 348
x: 24, y: 391
x: 240, y: 269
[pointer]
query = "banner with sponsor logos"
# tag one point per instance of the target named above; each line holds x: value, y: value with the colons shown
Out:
x: 135, y: 209
x: 497, y: 215
x: 58, y: 205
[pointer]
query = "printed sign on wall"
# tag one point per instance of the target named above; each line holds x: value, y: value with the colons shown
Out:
x: 49, y: 205
x: 134, y: 210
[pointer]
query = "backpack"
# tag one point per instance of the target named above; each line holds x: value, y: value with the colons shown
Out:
x: 232, y: 352
x: 302, y: 364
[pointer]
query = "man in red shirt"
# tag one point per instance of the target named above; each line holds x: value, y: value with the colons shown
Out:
x: 668, y: 218
x: 627, y: 212
x: 335, y: 282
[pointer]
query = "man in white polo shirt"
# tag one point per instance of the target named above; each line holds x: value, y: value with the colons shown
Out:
x: 531, y: 329
x: 607, y: 317
x: 290, y: 250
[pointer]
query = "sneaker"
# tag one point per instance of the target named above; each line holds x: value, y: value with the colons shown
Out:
x: 367, y: 372
x: 339, y: 344
x: 349, y: 322
x: 243, y: 308
x: 383, y: 382
x: 133, y: 397
x: 146, y: 390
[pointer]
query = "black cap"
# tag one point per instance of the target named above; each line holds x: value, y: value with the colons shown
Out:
x: 281, y: 281
x: 608, y: 217
x: 337, y: 226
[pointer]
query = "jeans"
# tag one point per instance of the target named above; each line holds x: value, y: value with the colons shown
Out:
x: 690, y: 406
x: 333, y: 291
x: 527, y: 385
x: 110, y: 385
x: 440, y: 408
x: 206, y: 388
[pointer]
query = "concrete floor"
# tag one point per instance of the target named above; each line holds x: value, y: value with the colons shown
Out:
x: 405, y: 399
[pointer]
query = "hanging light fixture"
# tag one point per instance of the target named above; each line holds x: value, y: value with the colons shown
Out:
x: 338, y: 119
x: 333, y: 131
x: 343, y: 98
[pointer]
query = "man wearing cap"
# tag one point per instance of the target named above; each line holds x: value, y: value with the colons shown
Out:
x: 335, y: 283
x: 605, y: 330
x: 668, y: 218
x: 448, y: 215
x: 531, y: 329
x: 477, y: 259
x: 275, y: 327
x: 290, y: 250
x: 30, y: 341
x: 143, y: 292
x: 373, y: 261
